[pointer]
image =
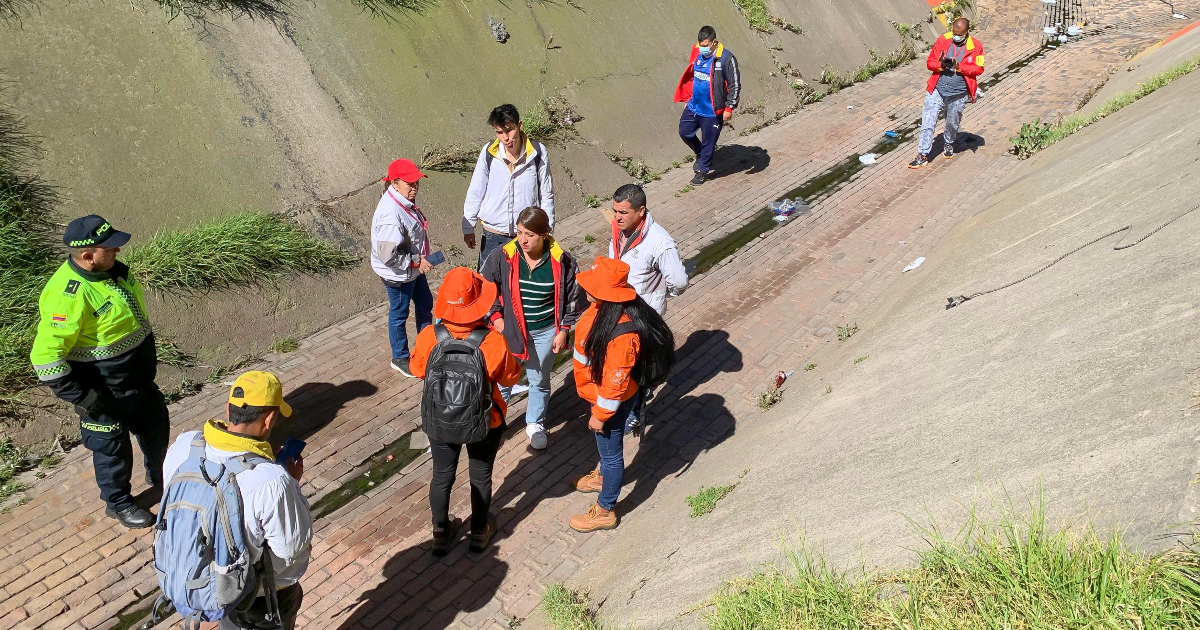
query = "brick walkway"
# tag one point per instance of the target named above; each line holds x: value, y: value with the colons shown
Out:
x: 63, y: 564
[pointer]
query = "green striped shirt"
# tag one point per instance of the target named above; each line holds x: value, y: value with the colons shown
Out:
x: 537, y: 292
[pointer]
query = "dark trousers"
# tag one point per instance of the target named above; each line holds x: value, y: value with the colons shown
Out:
x: 399, y: 297
x: 489, y: 243
x: 290, y: 598
x: 710, y: 131
x: 106, y: 430
x: 481, y: 457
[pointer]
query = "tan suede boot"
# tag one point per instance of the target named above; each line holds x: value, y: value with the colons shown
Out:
x: 591, y: 482
x: 596, y: 518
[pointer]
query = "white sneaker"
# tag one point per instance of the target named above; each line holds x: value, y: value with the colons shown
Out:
x: 538, y: 438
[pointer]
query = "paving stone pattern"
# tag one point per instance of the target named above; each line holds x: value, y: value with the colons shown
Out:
x: 765, y: 308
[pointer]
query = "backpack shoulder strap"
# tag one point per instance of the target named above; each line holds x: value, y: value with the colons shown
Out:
x: 244, y: 462
x: 441, y: 333
x: 197, y: 446
x: 477, y: 336
x: 625, y: 328
x: 537, y: 170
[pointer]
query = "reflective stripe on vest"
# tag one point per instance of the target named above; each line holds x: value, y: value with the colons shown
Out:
x: 607, y: 404
x: 580, y: 357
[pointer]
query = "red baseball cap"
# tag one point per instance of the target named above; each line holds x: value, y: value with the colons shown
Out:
x: 405, y: 171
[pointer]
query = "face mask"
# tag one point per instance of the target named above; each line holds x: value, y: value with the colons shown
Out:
x: 959, y: 39
x: 706, y: 51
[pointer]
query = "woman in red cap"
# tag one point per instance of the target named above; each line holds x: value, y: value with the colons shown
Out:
x: 463, y: 302
x: 621, y: 344
x: 399, y: 245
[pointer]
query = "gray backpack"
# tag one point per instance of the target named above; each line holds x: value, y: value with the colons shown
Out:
x: 201, y: 550
x: 456, y: 403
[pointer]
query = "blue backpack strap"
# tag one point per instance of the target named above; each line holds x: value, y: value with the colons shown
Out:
x: 197, y: 448
x: 244, y: 462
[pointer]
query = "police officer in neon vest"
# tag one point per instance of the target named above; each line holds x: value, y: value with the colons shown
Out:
x: 95, y: 349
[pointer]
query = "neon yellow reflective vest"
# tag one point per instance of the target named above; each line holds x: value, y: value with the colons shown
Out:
x: 87, y: 317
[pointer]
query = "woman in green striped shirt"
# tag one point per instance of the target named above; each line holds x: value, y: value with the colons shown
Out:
x: 538, y: 303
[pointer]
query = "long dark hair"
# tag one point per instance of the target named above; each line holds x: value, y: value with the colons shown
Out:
x: 657, y: 355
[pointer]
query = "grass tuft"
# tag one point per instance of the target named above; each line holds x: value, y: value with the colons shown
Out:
x: 285, y: 345
x: 168, y: 353
x: 245, y: 249
x: 1013, y: 573
x: 846, y: 332
x: 12, y: 461
x: 569, y: 610
x: 810, y: 367
x: 454, y: 158
x: 877, y: 65
x: 769, y: 397
x: 761, y: 19
x: 705, y: 499
x: 1035, y: 136
x: 860, y: 360
x: 552, y: 119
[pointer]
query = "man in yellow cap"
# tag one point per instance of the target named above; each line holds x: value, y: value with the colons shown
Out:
x: 275, y: 513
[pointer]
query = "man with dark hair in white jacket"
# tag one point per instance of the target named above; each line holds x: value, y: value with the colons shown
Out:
x: 655, y: 270
x: 511, y: 174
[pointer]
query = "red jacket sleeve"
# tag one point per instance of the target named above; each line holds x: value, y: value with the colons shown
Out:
x: 683, y: 91
x: 618, y: 384
x: 972, y: 65
x: 934, y: 61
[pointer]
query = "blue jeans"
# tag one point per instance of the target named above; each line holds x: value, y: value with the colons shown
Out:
x: 489, y: 242
x: 398, y: 299
x: 538, y: 370
x: 710, y: 131
x: 610, y: 444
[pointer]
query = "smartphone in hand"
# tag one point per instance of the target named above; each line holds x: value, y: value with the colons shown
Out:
x: 291, y: 450
x: 436, y: 258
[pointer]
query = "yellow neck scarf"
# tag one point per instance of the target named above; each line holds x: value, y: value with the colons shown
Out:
x: 221, y: 439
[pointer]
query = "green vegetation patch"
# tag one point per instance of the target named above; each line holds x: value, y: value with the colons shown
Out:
x: 705, y: 499
x: 877, y: 65
x: 761, y: 19
x: 244, y: 249
x: 846, y: 332
x: 285, y: 345
x: 551, y: 119
x: 569, y: 610
x: 1035, y: 136
x: 1013, y: 574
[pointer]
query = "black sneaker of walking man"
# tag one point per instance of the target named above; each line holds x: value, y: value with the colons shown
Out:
x: 919, y: 161
x: 949, y: 152
x: 697, y: 179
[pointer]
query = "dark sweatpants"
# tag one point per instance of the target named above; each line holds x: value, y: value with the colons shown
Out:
x: 141, y: 412
x: 481, y: 457
x: 709, y: 130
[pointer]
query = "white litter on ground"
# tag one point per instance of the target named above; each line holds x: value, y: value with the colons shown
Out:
x: 914, y: 264
x: 868, y: 158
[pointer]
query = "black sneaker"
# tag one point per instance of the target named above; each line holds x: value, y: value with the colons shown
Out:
x: 132, y: 517
x: 949, y: 152
x: 698, y: 179
x: 401, y: 366
x: 919, y: 161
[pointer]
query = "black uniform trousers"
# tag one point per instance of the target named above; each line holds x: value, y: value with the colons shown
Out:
x: 129, y: 403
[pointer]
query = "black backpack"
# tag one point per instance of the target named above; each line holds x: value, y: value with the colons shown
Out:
x: 456, y: 403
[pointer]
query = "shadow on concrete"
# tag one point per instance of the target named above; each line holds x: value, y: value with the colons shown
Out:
x: 963, y: 142
x: 736, y: 158
x: 315, y: 405
x: 420, y: 591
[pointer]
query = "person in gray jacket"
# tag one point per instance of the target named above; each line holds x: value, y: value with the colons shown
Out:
x: 511, y: 174
x: 655, y: 270
x: 399, y: 245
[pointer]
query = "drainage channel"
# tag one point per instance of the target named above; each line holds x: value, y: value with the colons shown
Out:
x: 378, y: 468
x: 811, y: 191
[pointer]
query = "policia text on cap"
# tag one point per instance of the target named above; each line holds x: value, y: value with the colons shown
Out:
x: 95, y: 349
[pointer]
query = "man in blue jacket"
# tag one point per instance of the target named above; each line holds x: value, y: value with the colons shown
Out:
x: 710, y: 85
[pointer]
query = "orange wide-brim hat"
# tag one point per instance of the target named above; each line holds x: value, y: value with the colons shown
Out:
x: 464, y: 297
x: 607, y: 281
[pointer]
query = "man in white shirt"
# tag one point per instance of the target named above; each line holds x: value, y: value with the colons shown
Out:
x: 275, y: 511
x: 511, y: 174
x: 655, y: 270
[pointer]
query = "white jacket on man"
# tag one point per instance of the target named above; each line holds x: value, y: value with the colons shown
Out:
x: 276, y: 512
x: 497, y: 197
x: 398, y: 238
x: 655, y: 270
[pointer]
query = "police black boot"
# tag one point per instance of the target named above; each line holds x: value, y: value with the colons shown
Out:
x: 132, y: 517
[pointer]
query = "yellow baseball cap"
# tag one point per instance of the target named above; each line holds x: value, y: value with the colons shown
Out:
x: 261, y: 389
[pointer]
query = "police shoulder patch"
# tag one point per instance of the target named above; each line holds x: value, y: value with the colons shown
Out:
x: 72, y: 287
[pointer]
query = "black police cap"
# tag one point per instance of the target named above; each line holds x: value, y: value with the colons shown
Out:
x: 93, y: 231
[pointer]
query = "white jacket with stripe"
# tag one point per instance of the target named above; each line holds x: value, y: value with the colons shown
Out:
x: 654, y: 266
x: 497, y: 197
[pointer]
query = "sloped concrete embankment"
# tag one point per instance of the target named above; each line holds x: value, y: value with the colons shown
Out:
x: 1083, y: 379
x: 159, y: 124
